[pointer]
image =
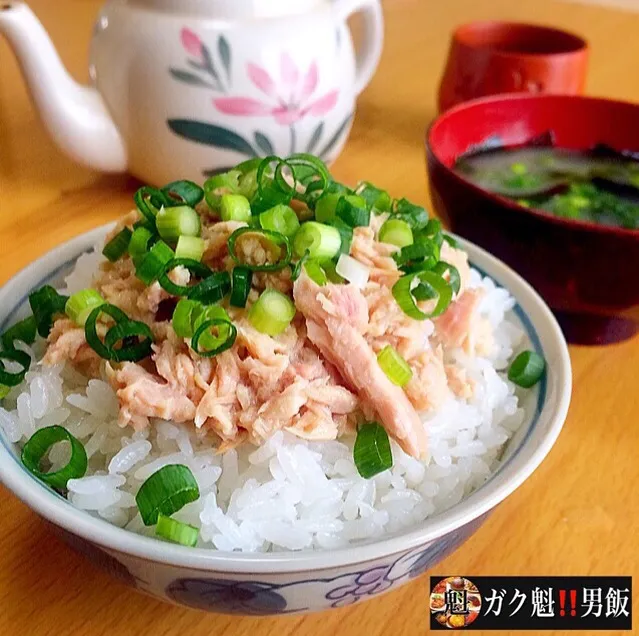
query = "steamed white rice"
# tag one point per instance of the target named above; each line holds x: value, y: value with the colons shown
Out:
x: 288, y: 494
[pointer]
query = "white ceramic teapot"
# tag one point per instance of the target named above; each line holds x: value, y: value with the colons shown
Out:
x: 184, y: 88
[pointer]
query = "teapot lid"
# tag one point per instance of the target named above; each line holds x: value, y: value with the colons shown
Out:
x: 232, y: 8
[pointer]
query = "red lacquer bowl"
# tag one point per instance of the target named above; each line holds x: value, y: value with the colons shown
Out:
x: 487, y: 58
x: 588, y: 274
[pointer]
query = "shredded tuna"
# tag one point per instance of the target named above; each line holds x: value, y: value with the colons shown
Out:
x: 215, y: 240
x: 317, y: 379
x: 389, y: 325
x: 336, y: 318
x: 459, y: 259
x: 428, y: 388
x: 453, y: 327
x: 376, y: 256
x: 119, y: 286
x: 143, y: 395
x: 66, y: 341
x: 459, y: 382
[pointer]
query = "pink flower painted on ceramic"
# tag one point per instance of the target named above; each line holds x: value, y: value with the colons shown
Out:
x: 290, y: 99
x: 191, y: 42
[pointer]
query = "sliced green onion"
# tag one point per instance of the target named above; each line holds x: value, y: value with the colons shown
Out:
x: 277, y: 240
x: 272, y: 313
x: 272, y: 187
x: 414, y: 215
x: 184, y: 193
x: 322, y: 242
x: 235, y: 207
x: 454, y: 279
x: 315, y: 272
x: 209, y: 312
x: 372, y: 451
x: 212, y: 289
x: 433, y: 231
x: 118, y: 245
x: 326, y: 206
x: 375, y: 198
x: 45, y: 304
x: 4, y: 391
x: 330, y: 268
x: 139, y: 243
x: 353, y: 211
x: 297, y: 269
x: 308, y: 168
x: 242, y: 278
x: 284, y: 179
x: 125, y: 332
x: 184, y: 316
x: 423, y: 291
x: 177, y: 221
x: 176, y: 532
x: 225, y: 180
x: 144, y: 223
x: 248, y: 184
x: 394, y: 366
x: 526, y: 369
x: 9, y: 378
x: 282, y: 219
x: 345, y: 232
x: 213, y: 337
x: 220, y: 184
x: 248, y: 166
x: 312, y: 173
x: 24, y: 331
x: 334, y: 187
x: 451, y: 241
x: 152, y: 264
x: 424, y: 254
x: 165, y: 492
x: 149, y: 201
x: 195, y: 267
x: 190, y: 315
x: 90, y: 331
x: 213, y: 343
x: 396, y: 232
x: 190, y: 247
x: 81, y: 304
x: 403, y: 292
x: 41, y: 443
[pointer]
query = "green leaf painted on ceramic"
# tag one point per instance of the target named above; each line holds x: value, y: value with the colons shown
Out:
x: 264, y: 143
x: 336, y: 137
x: 189, y: 78
x: 211, y: 135
x: 208, y: 61
x: 225, y: 54
x: 196, y: 65
x: 315, y: 137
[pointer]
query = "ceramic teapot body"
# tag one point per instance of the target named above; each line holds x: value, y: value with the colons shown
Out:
x: 185, y: 88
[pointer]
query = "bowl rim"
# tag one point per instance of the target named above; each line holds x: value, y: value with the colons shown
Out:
x: 573, y: 224
x: 61, y: 513
x: 580, y: 44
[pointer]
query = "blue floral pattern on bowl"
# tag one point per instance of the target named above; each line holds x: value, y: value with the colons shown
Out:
x: 259, y: 598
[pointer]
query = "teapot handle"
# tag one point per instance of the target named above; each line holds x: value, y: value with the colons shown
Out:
x: 368, y: 57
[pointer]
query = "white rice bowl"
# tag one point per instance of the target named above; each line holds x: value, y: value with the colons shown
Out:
x: 288, y: 494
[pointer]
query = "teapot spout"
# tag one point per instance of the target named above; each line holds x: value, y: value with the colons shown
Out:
x: 74, y: 115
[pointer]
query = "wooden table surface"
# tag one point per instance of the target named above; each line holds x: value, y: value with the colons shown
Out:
x: 577, y: 515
